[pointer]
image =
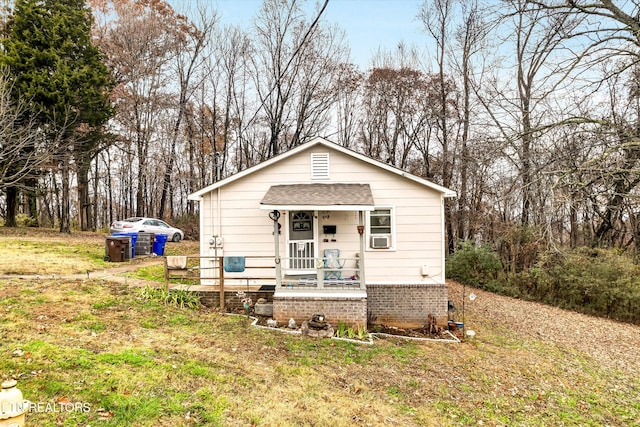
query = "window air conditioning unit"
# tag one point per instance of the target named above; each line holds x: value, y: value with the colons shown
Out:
x: 380, y: 242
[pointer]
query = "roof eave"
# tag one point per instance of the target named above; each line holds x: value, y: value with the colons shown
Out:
x: 448, y: 193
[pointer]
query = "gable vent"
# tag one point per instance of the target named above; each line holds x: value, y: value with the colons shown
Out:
x: 320, y: 166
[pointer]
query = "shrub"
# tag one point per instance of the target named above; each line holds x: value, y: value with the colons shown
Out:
x: 600, y: 282
x: 593, y: 281
x: 519, y: 247
x: 474, y: 265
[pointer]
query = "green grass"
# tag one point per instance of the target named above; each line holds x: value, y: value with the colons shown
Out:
x: 138, y: 361
x: 151, y: 364
x: 46, y: 252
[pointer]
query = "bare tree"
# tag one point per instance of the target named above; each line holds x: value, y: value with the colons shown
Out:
x: 470, y: 40
x: 232, y: 100
x: 293, y: 66
x: 609, y: 35
x: 521, y: 112
x: 140, y: 44
x: 436, y: 17
x: 396, y: 113
x: 349, y: 92
x: 22, y: 149
x: 188, y: 56
x: 615, y: 171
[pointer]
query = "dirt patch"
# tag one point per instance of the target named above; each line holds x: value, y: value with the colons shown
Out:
x: 424, y: 332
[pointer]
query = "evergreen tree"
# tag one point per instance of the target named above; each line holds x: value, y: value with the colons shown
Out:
x: 57, y: 70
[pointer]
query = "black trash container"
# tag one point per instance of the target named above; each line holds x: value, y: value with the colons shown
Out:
x: 117, y: 248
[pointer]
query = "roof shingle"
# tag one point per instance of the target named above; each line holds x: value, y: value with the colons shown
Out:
x: 319, y: 195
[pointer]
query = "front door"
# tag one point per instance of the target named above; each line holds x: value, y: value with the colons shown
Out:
x: 301, y: 244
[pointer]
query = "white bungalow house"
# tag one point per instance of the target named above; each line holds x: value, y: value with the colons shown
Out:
x: 330, y: 231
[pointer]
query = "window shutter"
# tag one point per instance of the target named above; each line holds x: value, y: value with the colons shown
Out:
x: 320, y: 166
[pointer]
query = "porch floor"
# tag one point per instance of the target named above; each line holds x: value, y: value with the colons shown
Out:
x: 227, y: 288
x: 312, y: 282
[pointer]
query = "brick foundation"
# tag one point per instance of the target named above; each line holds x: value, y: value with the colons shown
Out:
x: 406, y: 306
x: 351, y: 311
x: 391, y: 305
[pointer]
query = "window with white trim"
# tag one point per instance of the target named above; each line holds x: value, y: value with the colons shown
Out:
x: 381, y: 228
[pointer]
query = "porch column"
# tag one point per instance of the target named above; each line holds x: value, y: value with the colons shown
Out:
x: 275, y: 216
x: 362, y: 234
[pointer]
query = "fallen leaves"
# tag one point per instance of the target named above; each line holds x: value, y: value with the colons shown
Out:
x: 611, y: 342
x: 103, y: 414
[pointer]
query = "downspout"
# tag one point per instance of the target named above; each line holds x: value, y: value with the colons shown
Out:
x: 219, y: 214
x: 444, y: 238
x: 218, y: 167
x: 203, y: 241
x: 218, y: 238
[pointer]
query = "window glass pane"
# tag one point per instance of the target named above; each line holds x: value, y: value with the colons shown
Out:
x: 380, y: 221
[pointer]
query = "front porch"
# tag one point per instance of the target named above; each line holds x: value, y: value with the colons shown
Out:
x: 341, y: 298
x: 337, y: 292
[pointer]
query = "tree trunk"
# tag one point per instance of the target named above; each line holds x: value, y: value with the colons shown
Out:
x: 166, y: 182
x: 65, y: 204
x: 624, y: 183
x: 463, y: 203
x: 139, y: 190
x: 93, y: 223
x: 32, y: 201
x: 109, y: 189
x: 83, y: 195
x: 573, y: 221
x: 12, y: 207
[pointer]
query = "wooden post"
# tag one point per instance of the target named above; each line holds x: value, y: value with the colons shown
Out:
x: 166, y: 275
x: 221, y: 280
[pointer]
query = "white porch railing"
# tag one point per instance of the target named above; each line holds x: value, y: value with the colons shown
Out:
x: 301, y: 255
x: 209, y: 270
x: 321, y: 276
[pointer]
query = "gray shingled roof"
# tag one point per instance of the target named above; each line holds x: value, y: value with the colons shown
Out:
x: 319, y: 195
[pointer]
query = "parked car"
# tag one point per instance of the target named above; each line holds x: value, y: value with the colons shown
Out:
x: 147, y: 225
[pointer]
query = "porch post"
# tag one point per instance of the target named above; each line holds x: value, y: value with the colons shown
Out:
x: 362, y: 234
x: 275, y: 215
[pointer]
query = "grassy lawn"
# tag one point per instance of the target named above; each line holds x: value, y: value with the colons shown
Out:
x: 129, y: 361
x: 46, y: 252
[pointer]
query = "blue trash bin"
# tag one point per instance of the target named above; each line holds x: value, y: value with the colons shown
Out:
x: 133, y: 236
x: 158, y: 243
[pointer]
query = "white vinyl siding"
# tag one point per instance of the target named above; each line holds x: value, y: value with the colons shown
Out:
x: 416, y: 213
